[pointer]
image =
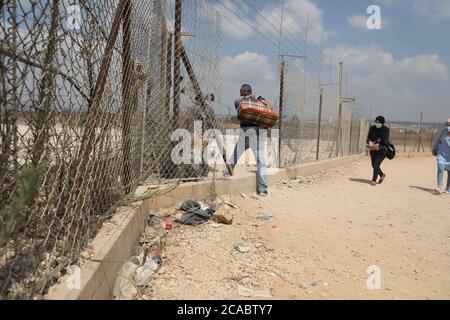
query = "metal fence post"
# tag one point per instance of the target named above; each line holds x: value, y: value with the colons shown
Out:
x: 351, y: 135
x: 280, y: 124
x: 168, y: 72
x: 319, y: 124
x: 406, y: 137
x: 127, y: 97
x: 359, y: 136
x: 177, y: 64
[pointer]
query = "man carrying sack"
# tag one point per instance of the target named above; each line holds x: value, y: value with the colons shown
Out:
x: 255, y: 116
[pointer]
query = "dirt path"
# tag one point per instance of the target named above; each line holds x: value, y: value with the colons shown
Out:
x: 328, y: 230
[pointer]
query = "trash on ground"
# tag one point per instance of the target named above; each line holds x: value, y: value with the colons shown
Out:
x: 267, y: 215
x: 242, y: 248
x: 231, y: 205
x: 168, y: 224
x: 151, y: 242
x: 124, y: 288
x: 244, y: 196
x: 314, y: 283
x: 195, y: 213
x: 216, y: 225
x: 154, y: 221
x: 146, y: 271
x: 246, y: 292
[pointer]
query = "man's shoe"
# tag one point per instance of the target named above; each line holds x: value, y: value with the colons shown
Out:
x: 263, y: 194
x: 373, y: 183
x: 382, y: 179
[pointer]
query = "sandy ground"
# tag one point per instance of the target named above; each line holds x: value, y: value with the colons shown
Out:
x: 328, y: 229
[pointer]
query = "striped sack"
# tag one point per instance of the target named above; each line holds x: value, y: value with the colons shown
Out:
x: 257, y: 112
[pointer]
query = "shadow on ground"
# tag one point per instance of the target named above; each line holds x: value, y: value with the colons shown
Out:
x: 424, y: 189
x: 364, y: 181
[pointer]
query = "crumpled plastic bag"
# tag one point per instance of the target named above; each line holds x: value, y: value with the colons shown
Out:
x: 194, y: 214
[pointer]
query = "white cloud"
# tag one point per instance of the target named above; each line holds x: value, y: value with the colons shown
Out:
x: 396, y: 87
x: 358, y: 21
x: 424, y: 67
x: 367, y: 59
x: 248, y: 67
x: 267, y: 20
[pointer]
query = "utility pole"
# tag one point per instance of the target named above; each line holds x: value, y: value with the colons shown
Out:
x: 339, y: 135
x: 338, y: 143
x: 420, y: 139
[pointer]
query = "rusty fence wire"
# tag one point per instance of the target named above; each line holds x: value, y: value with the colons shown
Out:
x: 91, y: 92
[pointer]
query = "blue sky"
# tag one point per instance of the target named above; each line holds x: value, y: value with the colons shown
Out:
x: 397, y: 71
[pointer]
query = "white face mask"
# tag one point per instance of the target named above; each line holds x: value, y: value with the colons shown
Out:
x: 378, y: 125
x: 448, y: 128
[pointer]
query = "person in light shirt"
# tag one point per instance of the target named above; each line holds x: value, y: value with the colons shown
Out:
x: 441, y: 149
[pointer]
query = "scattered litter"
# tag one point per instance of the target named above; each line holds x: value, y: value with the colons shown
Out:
x: 195, y: 213
x: 168, y: 224
x: 155, y: 221
x: 216, y: 225
x: 244, y: 196
x: 254, y: 197
x: 231, y: 205
x: 150, y: 267
x: 151, y: 242
x: 274, y: 226
x: 245, y: 292
x: 267, y: 215
x: 242, y: 248
x: 124, y: 288
x: 314, y: 283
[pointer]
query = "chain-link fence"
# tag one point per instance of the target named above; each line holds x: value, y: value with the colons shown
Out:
x: 313, y: 125
x: 91, y: 92
x: 414, y: 139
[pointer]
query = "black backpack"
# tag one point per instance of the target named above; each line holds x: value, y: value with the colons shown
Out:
x: 389, y: 151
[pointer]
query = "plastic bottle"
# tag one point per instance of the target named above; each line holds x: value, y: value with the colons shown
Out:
x: 124, y: 288
x: 146, y: 272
